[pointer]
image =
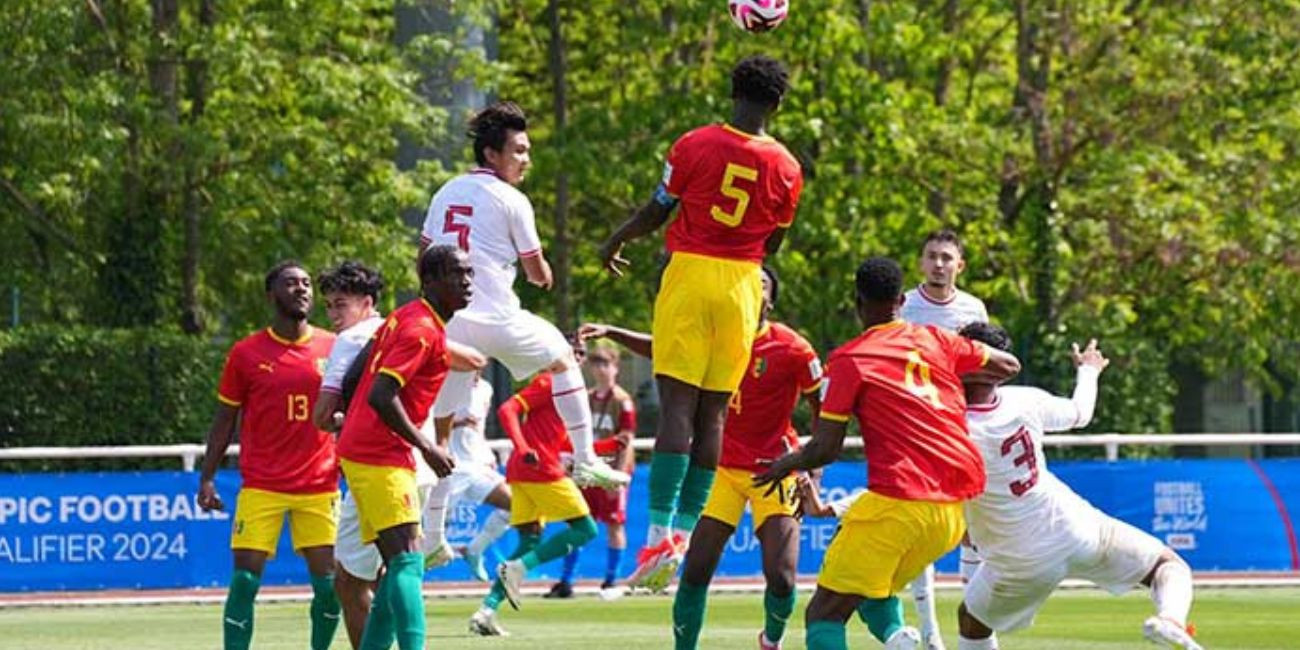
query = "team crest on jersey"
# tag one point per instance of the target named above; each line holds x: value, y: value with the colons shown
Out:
x: 760, y: 367
x: 320, y: 365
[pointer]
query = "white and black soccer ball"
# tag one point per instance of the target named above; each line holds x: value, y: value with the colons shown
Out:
x: 757, y: 16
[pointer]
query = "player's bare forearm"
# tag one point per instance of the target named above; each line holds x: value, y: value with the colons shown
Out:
x: 814, y: 400
x: 537, y: 270
x: 387, y: 403
x: 647, y: 219
x: 219, y: 436
x: 824, y: 447
x: 1000, y: 367
x: 327, y: 405
x: 638, y: 343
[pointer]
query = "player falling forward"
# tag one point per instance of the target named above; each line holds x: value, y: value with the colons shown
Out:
x: 288, y: 466
x: 404, y: 370
x: 901, y: 381
x: 485, y: 215
x: 1033, y: 531
x: 737, y: 188
x: 474, y: 480
x: 542, y: 493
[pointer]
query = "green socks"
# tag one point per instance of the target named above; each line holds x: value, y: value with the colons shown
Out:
x: 695, y: 493
x: 497, y: 595
x: 406, y: 572
x: 579, y: 532
x: 688, y: 614
x: 883, y: 616
x: 324, y: 612
x: 667, y: 471
x: 826, y: 635
x: 776, y: 610
x: 237, y: 619
x: 379, y: 633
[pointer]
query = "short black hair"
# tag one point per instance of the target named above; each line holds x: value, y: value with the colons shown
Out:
x: 435, y: 261
x: 281, y: 267
x: 879, y: 279
x: 352, y: 278
x: 760, y: 79
x: 488, y: 128
x: 988, y: 334
x: 773, y: 280
x: 945, y: 235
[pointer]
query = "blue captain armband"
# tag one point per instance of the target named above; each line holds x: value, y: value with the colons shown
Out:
x: 662, y: 197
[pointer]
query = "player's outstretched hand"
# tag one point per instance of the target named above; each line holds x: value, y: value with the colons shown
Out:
x: 207, y: 498
x: 611, y: 257
x: 1090, y: 356
x: 588, y: 331
x: 439, y: 461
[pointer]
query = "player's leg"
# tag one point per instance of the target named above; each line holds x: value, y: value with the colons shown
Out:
x: 313, y: 525
x: 563, y: 588
x: 496, y: 525
x: 556, y: 501
x: 922, y: 589
x: 970, y: 559
x: 616, y: 532
x: 1129, y: 556
x: 726, y: 505
x: 388, y: 502
x: 825, y: 616
x: 526, y: 521
x: 1004, y: 599
x: 706, y: 447
x: 259, y: 516
x: 779, y: 537
x: 356, y: 570
x: 437, y: 552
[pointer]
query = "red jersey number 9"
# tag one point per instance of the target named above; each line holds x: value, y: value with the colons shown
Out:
x: 729, y: 190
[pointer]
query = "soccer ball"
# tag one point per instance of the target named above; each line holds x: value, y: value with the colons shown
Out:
x: 758, y: 15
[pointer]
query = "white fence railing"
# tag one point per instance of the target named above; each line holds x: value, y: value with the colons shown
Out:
x: 189, y: 454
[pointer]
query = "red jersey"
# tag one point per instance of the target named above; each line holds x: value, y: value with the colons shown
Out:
x: 735, y: 189
x: 274, y: 383
x: 544, y: 432
x: 902, y: 381
x: 782, y: 366
x: 613, y: 411
x: 411, y: 347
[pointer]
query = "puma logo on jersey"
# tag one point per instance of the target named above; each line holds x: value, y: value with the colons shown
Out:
x: 268, y: 366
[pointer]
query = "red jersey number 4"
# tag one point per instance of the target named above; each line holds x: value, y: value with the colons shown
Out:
x: 461, y: 229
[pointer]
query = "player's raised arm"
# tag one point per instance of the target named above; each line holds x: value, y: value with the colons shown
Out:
x: 1061, y: 414
x: 639, y: 343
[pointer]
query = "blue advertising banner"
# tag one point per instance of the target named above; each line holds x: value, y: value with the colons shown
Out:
x: 143, y: 529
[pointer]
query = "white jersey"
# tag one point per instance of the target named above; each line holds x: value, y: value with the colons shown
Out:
x: 494, y: 223
x: 954, y: 313
x: 468, y: 446
x: 347, y: 345
x: 1027, y: 515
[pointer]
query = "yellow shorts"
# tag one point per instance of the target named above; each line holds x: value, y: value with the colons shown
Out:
x: 734, y: 488
x: 546, y: 502
x: 705, y: 320
x: 259, y: 516
x: 385, y: 496
x: 883, y: 543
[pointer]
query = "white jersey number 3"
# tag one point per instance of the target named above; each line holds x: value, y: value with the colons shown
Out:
x: 1025, y: 441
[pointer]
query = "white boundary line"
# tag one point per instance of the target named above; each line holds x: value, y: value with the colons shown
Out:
x: 212, y: 596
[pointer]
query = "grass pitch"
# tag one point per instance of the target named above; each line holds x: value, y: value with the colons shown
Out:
x: 1237, y: 619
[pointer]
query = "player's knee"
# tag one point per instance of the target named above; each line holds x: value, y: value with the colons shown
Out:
x: 969, y: 626
x: 780, y: 583
x: 584, y: 529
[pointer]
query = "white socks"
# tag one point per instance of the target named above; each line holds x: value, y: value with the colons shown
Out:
x: 970, y: 560
x: 656, y: 534
x: 496, y: 525
x: 570, y: 394
x: 435, y: 514
x: 923, y: 598
x: 1171, y: 591
x: 990, y: 643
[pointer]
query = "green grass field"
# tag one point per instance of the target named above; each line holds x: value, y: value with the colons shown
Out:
x: 1236, y: 619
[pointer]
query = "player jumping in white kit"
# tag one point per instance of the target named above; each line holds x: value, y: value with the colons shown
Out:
x: 1033, y: 531
x: 484, y: 214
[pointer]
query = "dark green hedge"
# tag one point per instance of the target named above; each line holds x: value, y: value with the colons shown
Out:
x: 80, y: 386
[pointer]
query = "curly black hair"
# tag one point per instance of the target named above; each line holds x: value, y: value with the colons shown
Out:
x: 436, y: 262
x: 488, y: 128
x: 352, y: 278
x: 988, y: 334
x: 760, y: 79
x: 280, y: 267
x: 879, y: 279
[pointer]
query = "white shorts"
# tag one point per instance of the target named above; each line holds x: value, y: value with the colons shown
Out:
x: 361, y: 560
x: 1005, y: 596
x: 526, y: 343
x: 473, y: 484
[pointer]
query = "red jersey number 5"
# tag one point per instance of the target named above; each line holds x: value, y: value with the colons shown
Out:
x: 1027, y: 458
x: 450, y: 225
